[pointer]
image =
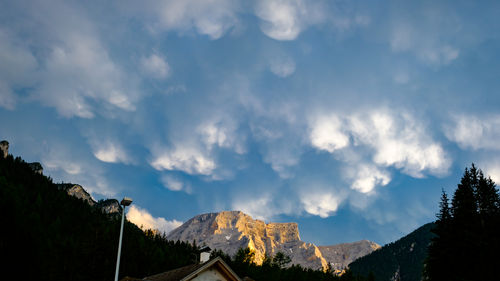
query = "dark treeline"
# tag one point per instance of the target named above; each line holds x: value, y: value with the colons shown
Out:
x: 399, y: 260
x: 48, y: 235
x: 54, y: 236
x: 467, y: 242
x: 278, y: 268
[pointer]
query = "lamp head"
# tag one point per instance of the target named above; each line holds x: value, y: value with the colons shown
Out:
x: 126, y: 201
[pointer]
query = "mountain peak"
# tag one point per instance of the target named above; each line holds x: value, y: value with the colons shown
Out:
x: 230, y: 230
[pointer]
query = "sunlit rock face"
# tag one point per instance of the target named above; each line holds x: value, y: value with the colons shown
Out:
x: 4, y: 148
x: 77, y: 191
x: 228, y: 231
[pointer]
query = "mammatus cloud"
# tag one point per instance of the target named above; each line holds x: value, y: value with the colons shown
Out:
x: 425, y: 33
x: 17, y: 65
x: 389, y: 139
x: 111, y: 153
x: 175, y: 184
x: 367, y: 177
x: 473, y: 132
x: 221, y: 132
x: 327, y: 134
x: 212, y: 18
x: 143, y: 219
x: 155, y: 66
x: 399, y: 140
x: 282, y: 67
x: 284, y: 20
x: 320, y: 204
x: 185, y: 158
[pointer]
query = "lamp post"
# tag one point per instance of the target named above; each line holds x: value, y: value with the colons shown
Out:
x: 125, y: 202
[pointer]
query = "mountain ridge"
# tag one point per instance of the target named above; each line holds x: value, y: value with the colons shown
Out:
x: 230, y: 230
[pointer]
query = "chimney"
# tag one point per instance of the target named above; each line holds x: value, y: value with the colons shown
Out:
x: 205, y: 254
x: 4, y: 148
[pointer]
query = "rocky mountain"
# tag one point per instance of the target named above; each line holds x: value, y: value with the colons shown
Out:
x: 230, y: 230
x: 108, y: 206
x: 341, y: 255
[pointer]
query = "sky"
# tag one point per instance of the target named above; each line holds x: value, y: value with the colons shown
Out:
x: 347, y: 117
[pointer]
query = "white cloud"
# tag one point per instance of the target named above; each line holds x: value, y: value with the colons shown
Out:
x: 475, y: 132
x: 184, y: 158
x: 326, y: 134
x: 284, y: 20
x: 111, y: 152
x: 282, y: 67
x: 175, y: 184
x: 221, y: 132
x: 425, y: 33
x: 380, y: 139
x: 212, y: 18
x: 320, y: 204
x: 155, y: 66
x: 80, y: 71
x: 493, y: 171
x: 367, y: 177
x: 145, y: 220
x: 399, y: 141
x: 17, y: 65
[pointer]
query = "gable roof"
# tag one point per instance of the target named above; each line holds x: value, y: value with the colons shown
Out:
x: 190, y: 271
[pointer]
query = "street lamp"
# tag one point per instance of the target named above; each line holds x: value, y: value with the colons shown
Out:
x: 125, y: 202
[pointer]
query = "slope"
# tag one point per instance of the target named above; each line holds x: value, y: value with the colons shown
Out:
x: 399, y: 260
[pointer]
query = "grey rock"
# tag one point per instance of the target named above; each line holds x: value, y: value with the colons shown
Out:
x: 77, y: 191
x: 36, y: 167
x: 109, y: 206
x: 230, y: 230
x: 4, y: 148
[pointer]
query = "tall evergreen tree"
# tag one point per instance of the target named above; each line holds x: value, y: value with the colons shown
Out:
x: 466, y: 244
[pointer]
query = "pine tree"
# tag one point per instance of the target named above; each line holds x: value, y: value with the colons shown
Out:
x: 466, y: 244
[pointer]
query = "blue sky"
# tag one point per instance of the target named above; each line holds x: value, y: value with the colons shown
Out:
x: 348, y: 117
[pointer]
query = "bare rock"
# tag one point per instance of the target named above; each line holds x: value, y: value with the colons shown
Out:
x: 36, y: 167
x: 77, y: 191
x: 4, y: 148
x: 341, y: 255
x: 230, y: 230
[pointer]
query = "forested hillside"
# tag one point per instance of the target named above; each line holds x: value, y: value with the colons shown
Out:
x: 401, y: 259
x: 54, y: 236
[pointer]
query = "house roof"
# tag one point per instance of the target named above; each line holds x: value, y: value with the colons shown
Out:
x: 190, y: 271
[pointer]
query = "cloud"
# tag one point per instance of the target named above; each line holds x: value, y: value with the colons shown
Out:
x: 184, y: 158
x: 212, y: 18
x: 368, y: 142
x: 221, y: 132
x: 282, y: 67
x: 426, y: 33
x: 367, y: 177
x: 320, y: 204
x: 284, y: 20
x: 474, y: 132
x: 399, y: 141
x: 17, y: 66
x: 145, y: 220
x: 67, y: 66
x: 493, y: 171
x: 175, y: 184
x: 326, y: 134
x: 155, y: 66
x: 80, y: 71
x: 111, y: 153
